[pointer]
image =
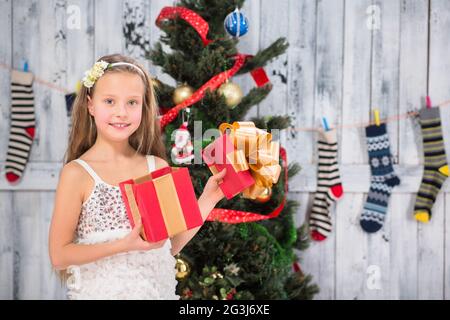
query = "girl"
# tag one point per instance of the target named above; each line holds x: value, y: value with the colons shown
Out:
x: 115, y: 136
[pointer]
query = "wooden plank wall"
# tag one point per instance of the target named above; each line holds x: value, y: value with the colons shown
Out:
x: 336, y: 66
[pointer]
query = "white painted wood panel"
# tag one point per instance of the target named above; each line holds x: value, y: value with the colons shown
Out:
x: 249, y: 44
x: 6, y: 221
x: 274, y: 23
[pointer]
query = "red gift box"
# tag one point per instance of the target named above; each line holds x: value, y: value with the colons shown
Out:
x: 165, y: 202
x: 222, y: 154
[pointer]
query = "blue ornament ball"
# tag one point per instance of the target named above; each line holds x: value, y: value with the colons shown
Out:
x: 236, y: 24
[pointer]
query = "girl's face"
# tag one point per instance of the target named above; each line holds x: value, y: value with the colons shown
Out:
x: 117, y: 105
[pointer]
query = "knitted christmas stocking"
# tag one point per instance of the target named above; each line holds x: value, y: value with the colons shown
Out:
x: 22, y: 124
x: 436, y: 167
x: 329, y: 187
x: 383, y: 178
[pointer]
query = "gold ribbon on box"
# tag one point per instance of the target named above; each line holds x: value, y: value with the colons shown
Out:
x: 170, y: 204
x: 254, y: 150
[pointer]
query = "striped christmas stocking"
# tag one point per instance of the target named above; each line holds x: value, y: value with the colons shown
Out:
x: 329, y: 186
x: 22, y: 124
x: 436, y: 167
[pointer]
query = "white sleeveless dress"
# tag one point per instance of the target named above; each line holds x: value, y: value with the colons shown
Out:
x: 132, y: 275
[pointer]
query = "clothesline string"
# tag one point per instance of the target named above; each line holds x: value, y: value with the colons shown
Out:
x: 312, y: 129
x: 40, y: 81
x: 365, y: 124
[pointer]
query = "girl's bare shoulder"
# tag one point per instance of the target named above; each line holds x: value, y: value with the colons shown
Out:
x: 72, y: 171
x: 74, y: 179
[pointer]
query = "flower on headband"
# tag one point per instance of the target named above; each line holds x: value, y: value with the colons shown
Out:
x: 92, y: 75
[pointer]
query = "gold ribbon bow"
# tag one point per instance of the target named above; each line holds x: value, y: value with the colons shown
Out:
x: 254, y: 150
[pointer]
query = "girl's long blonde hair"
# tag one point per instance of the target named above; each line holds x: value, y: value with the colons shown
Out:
x: 147, y: 139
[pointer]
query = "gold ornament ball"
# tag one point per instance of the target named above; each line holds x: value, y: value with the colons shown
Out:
x: 232, y: 92
x: 182, y: 93
x: 182, y: 268
x: 264, y: 196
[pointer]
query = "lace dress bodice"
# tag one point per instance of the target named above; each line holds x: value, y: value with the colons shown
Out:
x: 132, y: 275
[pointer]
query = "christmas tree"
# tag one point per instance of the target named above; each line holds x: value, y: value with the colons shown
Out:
x: 225, y: 261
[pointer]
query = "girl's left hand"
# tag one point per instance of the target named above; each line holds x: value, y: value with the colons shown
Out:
x: 212, y: 191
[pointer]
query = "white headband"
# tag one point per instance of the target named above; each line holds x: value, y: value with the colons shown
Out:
x: 92, y: 75
x: 127, y: 64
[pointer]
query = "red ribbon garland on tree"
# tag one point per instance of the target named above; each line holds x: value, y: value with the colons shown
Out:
x: 202, y: 27
x: 191, y: 17
x: 212, y: 84
x: 236, y: 216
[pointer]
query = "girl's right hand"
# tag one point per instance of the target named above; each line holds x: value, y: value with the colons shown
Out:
x: 134, y: 242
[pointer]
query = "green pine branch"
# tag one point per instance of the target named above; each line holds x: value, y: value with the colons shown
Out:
x: 265, y: 56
